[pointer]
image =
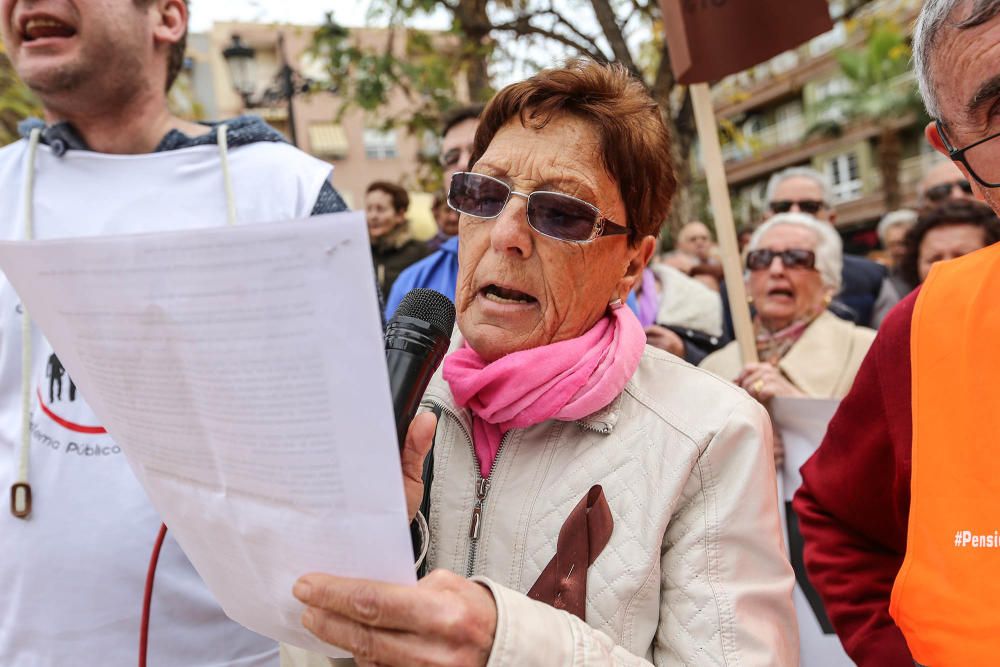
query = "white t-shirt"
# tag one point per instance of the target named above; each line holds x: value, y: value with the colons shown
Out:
x: 72, y: 575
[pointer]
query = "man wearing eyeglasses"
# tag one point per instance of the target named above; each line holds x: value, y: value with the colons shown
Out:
x: 439, y: 270
x: 899, y: 506
x: 804, y: 190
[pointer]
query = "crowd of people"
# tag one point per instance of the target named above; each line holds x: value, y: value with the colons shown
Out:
x: 592, y: 478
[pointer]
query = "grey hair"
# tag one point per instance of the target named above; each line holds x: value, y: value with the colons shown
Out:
x: 934, y: 17
x: 903, y: 216
x: 829, y: 247
x: 800, y: 172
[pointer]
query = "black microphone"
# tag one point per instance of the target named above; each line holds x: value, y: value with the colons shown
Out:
x: 415, y: 343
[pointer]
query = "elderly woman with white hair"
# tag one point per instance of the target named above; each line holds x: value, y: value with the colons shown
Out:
x: 794, y: 264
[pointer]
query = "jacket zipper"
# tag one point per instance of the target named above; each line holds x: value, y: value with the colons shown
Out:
x: 482, y: 489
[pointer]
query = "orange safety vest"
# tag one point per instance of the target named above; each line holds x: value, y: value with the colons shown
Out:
x: 946, y: 598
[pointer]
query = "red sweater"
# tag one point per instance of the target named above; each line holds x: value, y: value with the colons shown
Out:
x: 854, y: 502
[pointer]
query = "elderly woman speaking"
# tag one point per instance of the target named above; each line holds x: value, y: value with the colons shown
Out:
x: 793, y: 272
x: 594, y: 501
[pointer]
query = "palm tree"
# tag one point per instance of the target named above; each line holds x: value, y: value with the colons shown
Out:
x: 879, y: 89
x: 16, y: 101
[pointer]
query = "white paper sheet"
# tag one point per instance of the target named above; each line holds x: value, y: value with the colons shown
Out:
x: 242, y: 372
x: 802, y: 424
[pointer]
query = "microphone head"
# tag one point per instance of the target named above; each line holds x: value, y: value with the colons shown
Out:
x: 430, y: 306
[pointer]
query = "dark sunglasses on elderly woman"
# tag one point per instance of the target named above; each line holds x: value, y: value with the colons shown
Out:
x: 758, y: 260
x: 551, y: 214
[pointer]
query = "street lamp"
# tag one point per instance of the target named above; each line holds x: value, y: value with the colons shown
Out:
x: 287, y: 84
x: 240, y: 59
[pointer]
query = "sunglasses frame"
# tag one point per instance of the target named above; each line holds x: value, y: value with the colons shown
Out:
x: 602, y: 226
x: 820, y: 205
x: 958, y: 154
x: 781, y: 256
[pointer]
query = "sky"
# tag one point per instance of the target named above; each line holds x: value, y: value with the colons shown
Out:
x: 348, y: 12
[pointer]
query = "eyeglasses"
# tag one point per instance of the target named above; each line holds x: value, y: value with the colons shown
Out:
x: 551, y: 214
x: 810, y: 206
x: 942, y: 191
x: 981, y: 158
x: 795, y: 258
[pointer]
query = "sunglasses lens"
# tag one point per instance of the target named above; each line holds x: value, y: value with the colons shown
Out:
x: 477, y: 195
x: 801, y: 259
x: 759, y: 259
x: 561, y: 216
x: 781, y: 206
x: 810, y: 207
x: 939, y: 192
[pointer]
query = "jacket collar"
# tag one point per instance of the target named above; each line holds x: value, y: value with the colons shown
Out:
x: 825, y: 346
x: 395, y: 239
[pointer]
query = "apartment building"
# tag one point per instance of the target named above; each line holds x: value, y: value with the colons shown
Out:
x: 356, y: 144
x: 770, y: 110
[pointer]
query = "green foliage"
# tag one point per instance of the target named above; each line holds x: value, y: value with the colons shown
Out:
x: 423, y: 72
x: 16, y: 101
x: 406, y: 78
x: 880, y: 86
x: 881, y: 90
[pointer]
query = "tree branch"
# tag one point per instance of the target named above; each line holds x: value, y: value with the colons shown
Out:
x: 561, y: 21
x: 613, y: 33
x: 522, y: 26
x: 664, y: 80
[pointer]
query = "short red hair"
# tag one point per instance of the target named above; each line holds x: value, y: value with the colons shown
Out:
x: 635, y: 144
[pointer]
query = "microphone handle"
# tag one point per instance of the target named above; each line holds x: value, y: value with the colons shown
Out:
x: 413, y: 354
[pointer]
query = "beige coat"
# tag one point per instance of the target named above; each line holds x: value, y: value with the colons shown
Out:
x: 822, y: 363
x: 694, y: 573
x: 685, y: 302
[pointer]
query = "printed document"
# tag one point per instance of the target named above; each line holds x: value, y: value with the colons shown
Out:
x: 242, y: 371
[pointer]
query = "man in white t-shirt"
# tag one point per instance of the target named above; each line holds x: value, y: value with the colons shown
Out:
x: 110, y: 158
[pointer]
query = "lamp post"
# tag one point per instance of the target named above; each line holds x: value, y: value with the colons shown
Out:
x: 287, y: 84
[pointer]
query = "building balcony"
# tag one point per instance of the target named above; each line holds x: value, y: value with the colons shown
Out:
x: 797, y: 150
x: 787, y: 133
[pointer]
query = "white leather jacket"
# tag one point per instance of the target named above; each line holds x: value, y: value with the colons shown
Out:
x: 694, y: 573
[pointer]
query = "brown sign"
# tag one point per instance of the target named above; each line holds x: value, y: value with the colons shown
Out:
x: 711, y: 39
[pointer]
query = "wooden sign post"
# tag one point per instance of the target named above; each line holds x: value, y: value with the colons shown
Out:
x: 725, y: 226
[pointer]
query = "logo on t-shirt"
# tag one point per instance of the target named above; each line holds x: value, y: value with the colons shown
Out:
x: 67, y: 424
x: 60, y: 390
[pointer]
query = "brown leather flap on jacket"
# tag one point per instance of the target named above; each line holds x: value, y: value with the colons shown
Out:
x: 582, y: 538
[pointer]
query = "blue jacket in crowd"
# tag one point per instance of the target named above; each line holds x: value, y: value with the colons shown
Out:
x: 438, y: 271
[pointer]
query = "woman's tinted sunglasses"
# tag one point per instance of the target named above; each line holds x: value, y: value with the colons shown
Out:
x: 758, y: 260
x: 551, y: 214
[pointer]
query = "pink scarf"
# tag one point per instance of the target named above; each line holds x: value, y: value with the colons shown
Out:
x: 567, y: 380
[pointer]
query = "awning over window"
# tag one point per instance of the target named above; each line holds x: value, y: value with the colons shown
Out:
x: 328, y: 140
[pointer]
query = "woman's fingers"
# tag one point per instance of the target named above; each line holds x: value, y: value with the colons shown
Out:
x: 373, y: 603
x: 368, y: 645
x: 445, y: 619
x: 419, y: 438
x: 748, y: 370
